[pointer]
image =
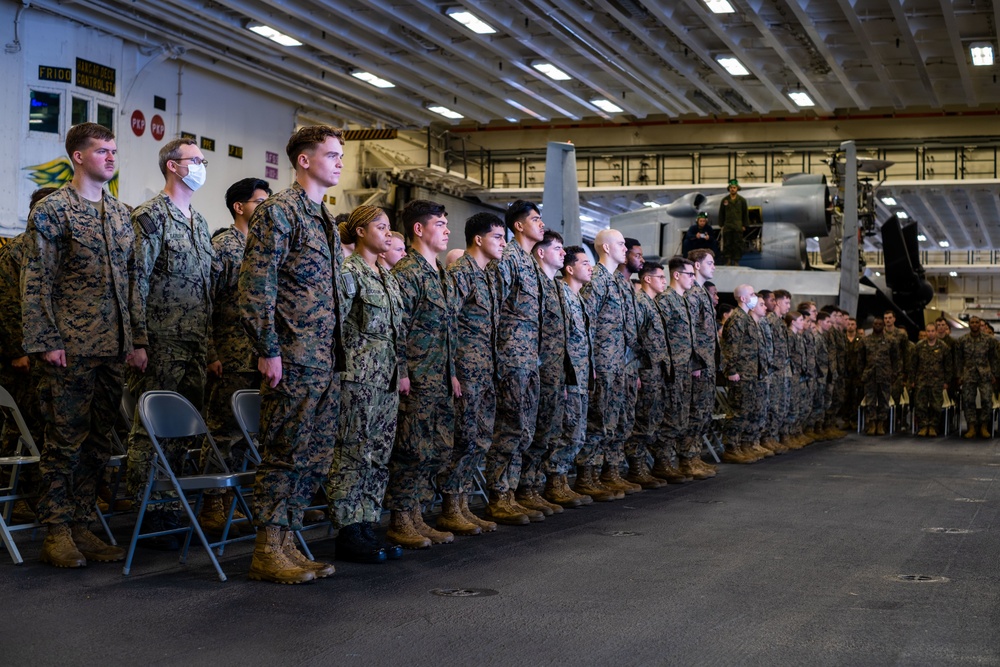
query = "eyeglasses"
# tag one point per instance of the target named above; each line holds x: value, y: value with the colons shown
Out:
x: 194, y: 160
x: 686, y: 273
x: 259, y: 200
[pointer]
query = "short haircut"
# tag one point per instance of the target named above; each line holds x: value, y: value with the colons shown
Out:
x: 309, y: 137
x: 518, y: 211
x: 242, y: 190
x: 889, y: 311
x: 699, y: 254
x: 851, y: 319
x: 708, y: 283
x: 631, y: 243
x: 480, y: 225
x: 791, y: 316
x: 548, y: 238
x: 648, y: 268
x: 942, y: 319
x: 397, y: 235
x: 806, y: 306
x: 573, y: 254
x: 79, y: 136
x: 723, y: 309
x: 420, y: 210
x: 782, y: 294
x: 38, y: 195
x: 822, y: 316
x: 764, y: 293
x: 677, y: 264
x: 360, y: 217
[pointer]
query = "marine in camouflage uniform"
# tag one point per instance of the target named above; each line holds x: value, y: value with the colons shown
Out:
x: 674, y: 441
x: 779, y: 421
x: 771, y: 379
x: 359, y: 472
x: 880, y: 360
x: 79, y: 294
x: 903, y: 349
x: 798, y: 406
x: 579, y: 350
x: 837, y: 347
x: 820, y: 395
x: 810, y: 384
x: 930, y: 371
x: 290, y: 308
x: 976, y: 359
x: 705, y: 341
x: 742, y: 350
x: 174, y: 251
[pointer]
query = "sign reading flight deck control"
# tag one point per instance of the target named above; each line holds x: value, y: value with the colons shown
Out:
x: 94, y: 76
x: 61, y: 74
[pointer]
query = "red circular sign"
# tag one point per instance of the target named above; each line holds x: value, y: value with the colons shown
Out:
x: 156, y: 127
x: 138, y: 123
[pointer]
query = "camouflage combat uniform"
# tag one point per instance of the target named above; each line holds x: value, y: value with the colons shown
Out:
x: 552, y: 384
x: 175, y: 258
x: 836, y: 344
x: 579, y: 350
x: 975, y: 357
x: 799, y: 405
x: 811, y: 383
x: 780, y: 384
x: 742, y: 348
x: 610, y: 298
x: 705, y: 332
x: 676, y: 439
x: 475, y: 367
x: 880, y: 360
x: 768, y: 368
x: 515, y: 282
x: 290, y: 306
x: 854, y: 390
x: 821, y: 380
x: 369, y: 398
x: 899, y: 380
x: 930, y: 370
x: 425, y: 350
x: 79, y: 293
x: 655, y: 374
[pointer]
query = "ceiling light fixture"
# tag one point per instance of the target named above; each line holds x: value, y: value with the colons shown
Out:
x: 551, y: 71
x: 444, y: 111
x: 470, y: 20
x: 801, y: 99
x: 732, y: 65
x: 944, y: 244
x: 520, y: 107
x: 921, y: 238
x: 606, y: 105
x: 902, y: 215
x: 982, y: 54
x: 376, y: 81
x: 651, y: 204
x: 586, y: 218
x: 720, y: 6
x: 273, y: 35
x: 953, y: 274
x: 888, y: 201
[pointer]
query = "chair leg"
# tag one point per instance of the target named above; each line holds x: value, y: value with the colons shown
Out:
x: 104, y: 524
x: 196, y: 528
x: 8, y: 541
x: 302, y: 543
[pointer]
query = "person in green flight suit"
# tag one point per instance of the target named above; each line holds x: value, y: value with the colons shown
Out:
x: 734, y: 218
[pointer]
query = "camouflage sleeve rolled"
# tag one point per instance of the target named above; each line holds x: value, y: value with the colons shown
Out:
x: 267, y: 246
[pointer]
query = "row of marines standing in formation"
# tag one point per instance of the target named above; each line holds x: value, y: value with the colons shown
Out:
x: 385, y: 376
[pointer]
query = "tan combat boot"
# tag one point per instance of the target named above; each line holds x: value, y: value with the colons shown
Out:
x: 532, y: 500
x: 971, y: 433
x: 774, y: 445
x: 562, y: 496
x: 59, y: 549
x: 762, y: 452
x: 663, y: 469
x: 689, y: 468
x: 931, y: 432
x: 613, y: 479
x: 732, y: 454
x: 212, y: 516
x: 435, y: 536
x: 451, y: 518
x: 585, y: 484
x: 584, y: 499
x: 402, y: 532
x: 706, y: 468
x: 94, y: 548
x: 501, y: 510
x: 880, y: 428
x: 269, y: 562
x: 484, y: 525
x: 638, y: 473
x: 749, y: 454
x: 984, y: 432
x: 297, y: 558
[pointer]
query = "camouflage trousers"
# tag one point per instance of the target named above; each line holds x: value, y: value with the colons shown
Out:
x: 974, y: 415
x: 172, y: 366
x: 425, y: 438
x: 928, y: 401
x: 222, y: 423
x: 548, y: 426
x: 359, y: 472
x: 838, y: 396
x: 702, y: 400
x: 78, y: 404
x: 572, y: 435
x: 650, y: 409
x: 615, y: 455
x: 475, y: 417
x: 23, y: 388
x: 818, y: 404
x: 779, y: 389
x: 605, y: 411
x: 800, y: 403
x: 877, y: 400
x: 517, y: 412
x: 298, y: 430
x: 748, y: 399
x: 853, y: 393
x: 674, y: 436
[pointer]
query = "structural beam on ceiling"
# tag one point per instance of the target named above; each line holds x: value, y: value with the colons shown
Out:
x: 865, y: 42
x: 951, y: 24
x: 906, y: 34
x: 809, y: 26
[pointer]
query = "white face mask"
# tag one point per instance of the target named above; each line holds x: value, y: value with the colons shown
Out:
x: 196, y: 176
x: 752, y: 302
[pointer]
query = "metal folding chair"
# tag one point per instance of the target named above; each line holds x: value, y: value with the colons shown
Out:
x: 167, y: 414
x: 26, y: 454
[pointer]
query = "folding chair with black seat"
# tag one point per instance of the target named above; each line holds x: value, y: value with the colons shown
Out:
x: 25, y: 455
x: 167, y: 414
x: 246, y: 409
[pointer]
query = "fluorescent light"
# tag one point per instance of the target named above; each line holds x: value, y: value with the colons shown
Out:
x: 902, y: 215
x: 732, y: 65
x: 586, y: 218
x: 921, y: 238
x: 982, y: 54
x: 445, y: 111
x: 470, y: 21
x: 801, y: 99
x: 551, y: 71
x: 274, y: 35
x: 944, y: 244
x: 368, y: 77
x: 877, y: 274
x: 606, y: 105
x: 520, y: 107
x: 720, y: 6
x: 511, y: 119
x: 651, y: 204
x: 953, y: 274
x: 888, y: 201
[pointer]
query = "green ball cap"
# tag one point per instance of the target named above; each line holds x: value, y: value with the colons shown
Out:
x: 734, y: 182
x: 702, y: 215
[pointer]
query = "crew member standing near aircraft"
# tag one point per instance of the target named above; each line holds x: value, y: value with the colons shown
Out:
x: 734, y: 218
